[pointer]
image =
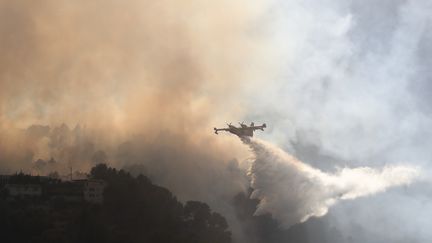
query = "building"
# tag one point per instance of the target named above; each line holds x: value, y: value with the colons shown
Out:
x: 4, y: 179
x: 92, y: 190
x: 24, y: 190
x: 88, y: 190
x: 85, y: 190
x: 67, y: 191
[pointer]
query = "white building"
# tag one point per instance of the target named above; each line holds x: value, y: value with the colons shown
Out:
x: 93, y: 190
x: 4, y: 179
x: 24, y: 190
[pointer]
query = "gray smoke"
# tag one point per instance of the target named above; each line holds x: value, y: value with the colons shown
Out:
x: 350, y: 86
x: 340, y: 83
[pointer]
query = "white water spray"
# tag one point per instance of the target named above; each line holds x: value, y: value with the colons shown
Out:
x: 293, y: 191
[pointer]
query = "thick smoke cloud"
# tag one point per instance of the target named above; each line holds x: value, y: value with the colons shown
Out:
x: 292, y: 191
x: 127, y: 83
x: 350, y: 73
x: 98, y: 75
x: 340, y: 84
x: 351, y: 88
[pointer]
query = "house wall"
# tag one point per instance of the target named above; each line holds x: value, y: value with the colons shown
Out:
x: 93, y: 191
x: 29, y: 190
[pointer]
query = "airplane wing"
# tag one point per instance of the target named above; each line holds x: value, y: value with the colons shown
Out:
x: 259, y: 127
x: 216, y: 130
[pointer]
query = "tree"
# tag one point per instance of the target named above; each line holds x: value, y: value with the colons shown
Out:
x: 134, y: 210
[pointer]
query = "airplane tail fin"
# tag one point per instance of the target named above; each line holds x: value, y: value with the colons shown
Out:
x: 263, y: 126
x: 215, y: 130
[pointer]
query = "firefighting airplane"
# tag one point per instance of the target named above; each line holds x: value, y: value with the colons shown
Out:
x: 243, y: 130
